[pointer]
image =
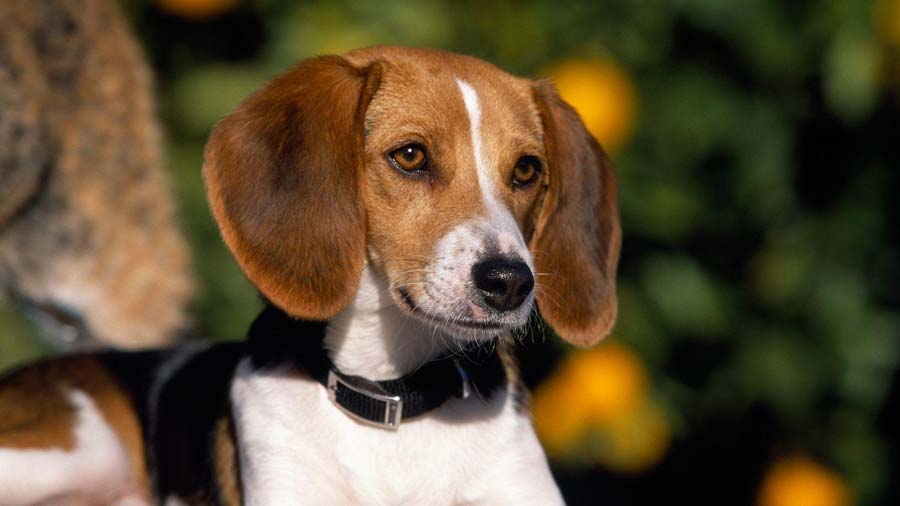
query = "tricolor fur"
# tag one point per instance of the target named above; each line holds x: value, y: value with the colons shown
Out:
x: 89, y: 246
x: 402, y: 266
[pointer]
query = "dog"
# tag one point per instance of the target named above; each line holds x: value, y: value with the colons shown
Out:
x: 402, y: 212
x: 89, y: 247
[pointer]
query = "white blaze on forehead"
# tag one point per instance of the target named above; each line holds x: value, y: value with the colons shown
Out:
x: 509, y: 237
x: 473, y: 108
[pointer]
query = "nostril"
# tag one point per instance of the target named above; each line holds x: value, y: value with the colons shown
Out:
x: 494, y: 285
x: 526, y: 287
x: 504, y: 284
x: 492, y: 276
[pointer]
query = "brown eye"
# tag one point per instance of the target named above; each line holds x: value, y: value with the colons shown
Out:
x: 409, y: 158
x: 527, y: 170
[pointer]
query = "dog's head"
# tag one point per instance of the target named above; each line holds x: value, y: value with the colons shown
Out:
x: 476, y: 193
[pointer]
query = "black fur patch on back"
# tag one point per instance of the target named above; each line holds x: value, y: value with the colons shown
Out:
x: 179, y: 395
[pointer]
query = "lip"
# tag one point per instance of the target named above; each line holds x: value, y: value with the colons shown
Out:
x: 466, y: 324
x: 59, y: 326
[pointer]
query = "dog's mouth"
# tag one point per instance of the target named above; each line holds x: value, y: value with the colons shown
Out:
x: 460, y: 323
x: 60, y: 326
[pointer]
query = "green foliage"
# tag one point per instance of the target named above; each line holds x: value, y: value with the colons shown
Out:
x: 17, y: 340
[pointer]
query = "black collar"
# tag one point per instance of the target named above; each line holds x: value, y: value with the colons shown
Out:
x: 276, y: 338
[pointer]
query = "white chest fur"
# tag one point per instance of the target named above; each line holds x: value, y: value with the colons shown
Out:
x: 297, y: 448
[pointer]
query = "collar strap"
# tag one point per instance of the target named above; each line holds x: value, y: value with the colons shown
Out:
x: 276, y: 337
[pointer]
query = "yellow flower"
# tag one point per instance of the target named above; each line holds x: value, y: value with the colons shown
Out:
x: 637, y: 442
x: 610, y: 381
x: 800, y: 481
x: 597, y: 387
x: 196, y: 9
x: 560, y: 417
x: 603, y: 95
x: 886, y: 15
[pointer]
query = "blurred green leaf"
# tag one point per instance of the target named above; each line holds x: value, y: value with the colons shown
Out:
x: 203, y: 95
x: 850, y: 75
x: 666, y: 211
x: 637, y: 327
x: 686, y: 296
x: 18, y: 342
x: 781, y: 368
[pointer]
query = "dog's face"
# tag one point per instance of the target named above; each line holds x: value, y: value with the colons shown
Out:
x: 476, y: 193
x: 454, y: 172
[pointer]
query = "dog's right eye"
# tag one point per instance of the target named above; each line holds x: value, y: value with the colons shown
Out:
x: 409, y: 158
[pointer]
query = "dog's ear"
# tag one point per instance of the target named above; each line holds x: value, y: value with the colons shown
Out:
x: 577, y: 236
x: 283, y: 177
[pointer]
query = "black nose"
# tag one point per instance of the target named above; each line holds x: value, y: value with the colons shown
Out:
x: 504, y: 284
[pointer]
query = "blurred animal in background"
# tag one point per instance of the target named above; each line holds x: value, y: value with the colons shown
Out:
x: 88, y: 242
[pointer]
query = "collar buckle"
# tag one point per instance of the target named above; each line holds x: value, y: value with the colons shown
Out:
x: 347, y: 391
x: 466, y: 389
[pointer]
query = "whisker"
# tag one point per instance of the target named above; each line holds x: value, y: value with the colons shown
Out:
x: 547, y: 295
x: 409, y: 271
x: 410, y: 283
x: 424, y: 260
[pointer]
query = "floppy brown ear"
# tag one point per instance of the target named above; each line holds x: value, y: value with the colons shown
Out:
x: 577, y: 236
x: 283, y: 179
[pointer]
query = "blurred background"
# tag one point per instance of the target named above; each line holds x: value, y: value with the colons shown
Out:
x: 758, y: 152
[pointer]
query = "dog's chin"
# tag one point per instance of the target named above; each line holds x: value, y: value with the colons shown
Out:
x: 464, y: 327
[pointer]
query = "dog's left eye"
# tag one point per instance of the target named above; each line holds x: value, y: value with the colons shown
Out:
x: 526, y: 172
x: 409, y: 158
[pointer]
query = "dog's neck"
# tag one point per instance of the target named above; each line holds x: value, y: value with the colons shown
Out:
x: 372, y: 338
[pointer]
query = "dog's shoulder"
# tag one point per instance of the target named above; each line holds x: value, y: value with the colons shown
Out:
x: 167, y: 408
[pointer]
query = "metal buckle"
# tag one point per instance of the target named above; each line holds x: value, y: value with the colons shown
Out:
x: 393, y: 404
x: 466, y: 381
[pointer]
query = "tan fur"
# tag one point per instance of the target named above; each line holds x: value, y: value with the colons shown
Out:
x: 282, y: 174
x: 407, y: 218
x: 578, y: 236
x: 289, y: 171
x: 226, y: 464
x: 86, y: 218
x: 35, y: 413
